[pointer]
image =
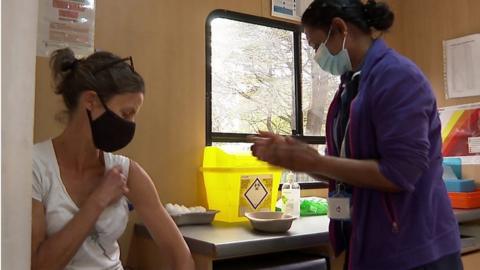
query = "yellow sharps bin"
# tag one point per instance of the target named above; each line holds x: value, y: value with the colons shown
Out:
x: 238, y: 183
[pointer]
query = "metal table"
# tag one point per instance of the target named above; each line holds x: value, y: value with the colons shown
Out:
x: 221, y: 241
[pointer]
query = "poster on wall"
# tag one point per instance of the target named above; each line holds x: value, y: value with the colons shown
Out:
x: 461, y: 132
x: 289, y: 9
x: 66, y: 23
x: 461, y: 66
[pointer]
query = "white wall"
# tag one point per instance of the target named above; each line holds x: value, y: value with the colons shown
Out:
x: 19, y: 28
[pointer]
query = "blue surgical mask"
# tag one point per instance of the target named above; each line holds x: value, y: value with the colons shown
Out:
x: 335, y: 64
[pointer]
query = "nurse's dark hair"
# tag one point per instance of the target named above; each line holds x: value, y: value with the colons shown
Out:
x: 364, y: 15
x: 103, y: 72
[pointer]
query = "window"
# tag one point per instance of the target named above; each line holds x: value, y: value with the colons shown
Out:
x: 319, y: 88
x: 261, y: 76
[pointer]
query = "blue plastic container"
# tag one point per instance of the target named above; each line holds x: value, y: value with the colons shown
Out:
x: 460, y: 185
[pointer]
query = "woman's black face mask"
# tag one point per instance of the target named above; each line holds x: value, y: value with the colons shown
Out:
x: 111, y: 132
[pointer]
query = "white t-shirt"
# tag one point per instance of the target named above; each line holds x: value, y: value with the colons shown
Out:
x: 100, y: 249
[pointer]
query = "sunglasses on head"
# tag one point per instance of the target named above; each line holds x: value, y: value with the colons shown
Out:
x: 109, y: 65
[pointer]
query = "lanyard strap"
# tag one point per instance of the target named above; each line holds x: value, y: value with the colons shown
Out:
x: 339, y: 186
x: 343, y: 151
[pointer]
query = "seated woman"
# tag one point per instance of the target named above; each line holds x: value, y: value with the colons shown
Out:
x: 81, y: 190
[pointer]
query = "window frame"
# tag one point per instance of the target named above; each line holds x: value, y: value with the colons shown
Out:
x: 222, y: 137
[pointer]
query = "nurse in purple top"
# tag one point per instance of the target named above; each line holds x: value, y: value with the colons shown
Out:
x: 389, y: 207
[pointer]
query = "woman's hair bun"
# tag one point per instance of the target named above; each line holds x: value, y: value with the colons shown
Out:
x: 62, y: 62
x: 378, y: 15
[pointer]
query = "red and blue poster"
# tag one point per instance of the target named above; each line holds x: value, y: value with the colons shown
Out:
x: 461, y: 131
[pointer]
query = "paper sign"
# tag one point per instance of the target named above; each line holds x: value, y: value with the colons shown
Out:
x: 66, y: 23
x: 289, y: 9
x: 461, y: 66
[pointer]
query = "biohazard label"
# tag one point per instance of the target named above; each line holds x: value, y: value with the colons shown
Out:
x: 255, y: 193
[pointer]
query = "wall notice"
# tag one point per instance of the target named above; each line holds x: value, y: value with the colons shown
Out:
x: 462, y: 68
x: 66, y: 23
x: 461, y: 132
x: 289, y: 9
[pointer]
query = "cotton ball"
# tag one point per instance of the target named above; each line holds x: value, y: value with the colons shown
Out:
x: 170, y: 208
x: 175, y: 210
x: 198, y: 209
x: 184, y: 210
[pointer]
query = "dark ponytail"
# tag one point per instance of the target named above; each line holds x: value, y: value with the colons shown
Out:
x: 366, y: 16
x: 102, y: 72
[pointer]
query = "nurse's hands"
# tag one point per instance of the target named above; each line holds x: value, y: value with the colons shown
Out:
x: 285, y: 152
x: 112, y: 187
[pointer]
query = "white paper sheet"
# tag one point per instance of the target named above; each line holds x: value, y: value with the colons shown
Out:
x: 289, y: 9
x: 474, y: 145
x: 462, y: 66
x: 66, y: 23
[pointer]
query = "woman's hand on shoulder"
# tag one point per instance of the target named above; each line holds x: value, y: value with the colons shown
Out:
x: 112, y: 187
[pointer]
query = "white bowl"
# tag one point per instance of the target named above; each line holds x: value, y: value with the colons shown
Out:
x: 271, y: 222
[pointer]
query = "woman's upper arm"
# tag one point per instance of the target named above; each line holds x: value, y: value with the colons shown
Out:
x: 144, y: 196
x: 142, y: 190
x: 167, y: 236
x: 38, y: 226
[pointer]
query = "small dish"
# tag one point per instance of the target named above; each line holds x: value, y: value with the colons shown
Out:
x: 194, y: 218
x: 271, y: 222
